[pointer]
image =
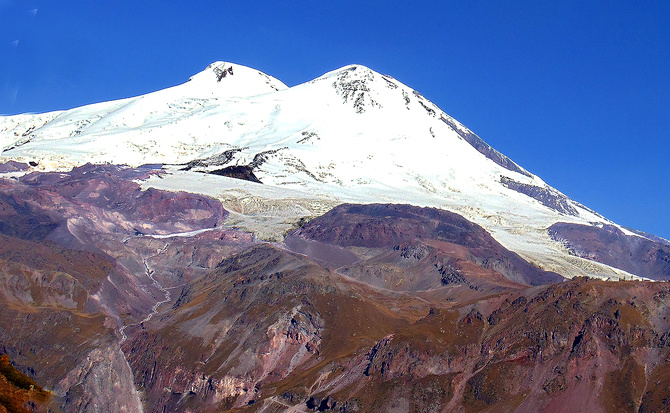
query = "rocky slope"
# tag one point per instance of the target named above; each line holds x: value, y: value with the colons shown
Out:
x: 272, y: 331
x: 413, y: 234
x: 368, y: 308
x: 75, y: 272
x: 643, y: 255
x: 18, y: 392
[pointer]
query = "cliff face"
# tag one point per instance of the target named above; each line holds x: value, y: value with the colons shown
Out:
x: 56, y: 330
x: 102, y: 382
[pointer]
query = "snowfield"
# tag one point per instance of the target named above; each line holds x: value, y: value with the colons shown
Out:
x: 351, y: 135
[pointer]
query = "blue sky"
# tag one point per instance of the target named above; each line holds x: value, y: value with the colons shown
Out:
x: 577, y: 92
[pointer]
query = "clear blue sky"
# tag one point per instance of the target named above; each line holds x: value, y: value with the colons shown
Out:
x: 577, y: 92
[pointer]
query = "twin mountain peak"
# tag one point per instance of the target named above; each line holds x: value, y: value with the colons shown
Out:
x: 350, y: 135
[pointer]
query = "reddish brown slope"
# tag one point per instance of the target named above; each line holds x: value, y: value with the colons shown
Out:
x: 19, y: 393
x: 74, y: 266
x: 269, y: 330
x: 399, y: 309
x: 388, y: 226
x: 263, y: 316
x: 52, y: 326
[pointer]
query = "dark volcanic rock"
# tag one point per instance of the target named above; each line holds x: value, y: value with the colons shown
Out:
x: 387, y: 225
x: 483, y: 147
x: 609, y: 245
x: 546, y: 196
x: 13, y: 166
x: 215, y: 160
x: 244, y: 172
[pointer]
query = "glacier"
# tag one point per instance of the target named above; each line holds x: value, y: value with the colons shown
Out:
x: 350, y: 135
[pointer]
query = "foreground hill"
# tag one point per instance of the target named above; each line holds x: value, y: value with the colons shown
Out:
x: 122, y: 299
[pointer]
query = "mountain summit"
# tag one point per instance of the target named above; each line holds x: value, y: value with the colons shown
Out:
x: 223, y: 79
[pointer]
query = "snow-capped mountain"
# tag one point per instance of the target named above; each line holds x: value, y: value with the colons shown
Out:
x: 351, y: 135
x: 152, y: 287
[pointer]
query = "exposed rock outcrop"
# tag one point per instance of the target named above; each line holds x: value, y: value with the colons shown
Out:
x: 636, y: 254
x: 102, y: 382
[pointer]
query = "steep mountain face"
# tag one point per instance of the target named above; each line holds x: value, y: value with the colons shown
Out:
x: 341, y: 245
x: 57, y: 331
